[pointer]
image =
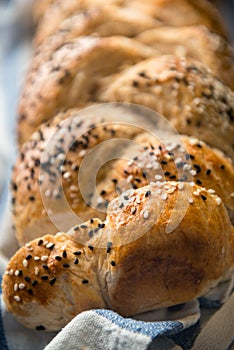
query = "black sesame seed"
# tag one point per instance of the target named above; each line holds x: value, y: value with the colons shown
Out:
x: 27, y: 279
x: 137, y: 180
x: 34, y: 283
x: 134, y: 209
x: 76, y: 261
x: 203, y: 197
x: 164, y: 162
x: 66, y: 266
x: 51, y: 247
x: 58, y: 258
x: 103, y: 192
x: 32, y: 198
x: 144, y: 174
x: 192, y: 156
x: 45, y: 278
x: 167, y: 173
x: 198, y: 182
x: 28, y: 257
x: 77, y: 253
x: 46, y: 267
x: 208, y: 171
x: 30, y: 291
x: 40, y: 242
x: 76, y: 228
x: 90, y: 233
x: 135, y: 83
x: 101, y: 225
x: 83, y: 226
x: 64, y: 254
x: 85, y: 281
x: 114, y: 181
x: 147, y: 194
x: 40, y: 328
x: 90, y: 247
x: 222, y: 167
x: 20, y: 273
x: 121, y: 205
x: 91, y: 221
x: 126, y: 198
x: 113, y: 263
x: 134, y: 186
x: 52, y: 281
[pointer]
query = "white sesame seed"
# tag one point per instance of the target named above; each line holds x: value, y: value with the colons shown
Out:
x: 190, y: 200
x: 131, y: 162
x: 187, y: 167
x: 232, y: 195
x: 21, y: 286
x: 48, y: 193
x: 25, y: 263
x: 181, y: 186
x: 44, y: 257
x: 171, y: 190
x: 193, y: 172
x: 36, y: 258
x: 11, y: 272
x: 218, y: 200
x: 82, y: 153
x: 28, y: 245
x: 66, y: 175
x: 130, y: 178
x: 149, y: 166
x: 158, y: 177
x: 16, y: 287
x: 30, y: 249
x: 17, y: 273
x: 159, y: 191
x: 133, y: 210
x: 196, y: 193
x: 17, y: 298
x: 36, y: 271
x: 178, y: 160
x: 60, y: 156
x: 45, y: 243
x: 192, y: 184
x: 146, y: 214
x: 74, y: 188
x: 138, y: 201
x: 211, y: 191
x: 156, y: 166
x: 164, y: 196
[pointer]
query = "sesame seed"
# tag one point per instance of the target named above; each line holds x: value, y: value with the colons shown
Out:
x: 40, y: 242
x: 58, y: 258
x: 44, y: 257
x: 164, y: 196
x: 66, y: 175
x: 82, y: 153
x: 147, y: 194
x: 44, y: 278
x: 34, y: 283
x: 146, y: 214
x: 21, y: 286
x: 30, y: 291
x: 40, y: 328
x: 36, y: 271
x: 17, y: 273
x: 85, y: 281
x: 90, y: 247
x: 181, y: 186
x: 46, y: 267
x: 193, y: 172
x: 158, y: 177
x: 36, y: 258
x: 25, y: 263
x: 77, y: 253
x: 52, y: 282
x: 27, y: 279
x: 133, y: 210
x: 76, y: 261
x: 232, y: 195
x: 218, y: 200
x: 17, y: 298
x: 113, y: 263
x: 222, y: 167
x: 190, y: 200
x: 28, y: 257
x: 16, y: 287
x: 187, y: 167
x: 102, y: 225
x: 64, y: 254
x: 45, y: 243
x: 211, y: 191
x: 10, y: 272
x: 66, y: 266
x: 204, y: 198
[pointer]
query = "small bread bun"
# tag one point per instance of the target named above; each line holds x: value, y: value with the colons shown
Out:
x: 183, y: 91
x: 132, y: 264
x: 159, y: 13
x: 67, y: 77
x: 196, y: 42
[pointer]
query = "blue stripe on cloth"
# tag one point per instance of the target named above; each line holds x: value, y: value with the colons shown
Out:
x: 3, y: 342
x: 151, y: 329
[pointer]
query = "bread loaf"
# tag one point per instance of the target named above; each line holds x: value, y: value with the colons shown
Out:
x: 132, y: 264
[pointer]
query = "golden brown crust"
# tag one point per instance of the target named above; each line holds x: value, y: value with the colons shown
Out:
x: 159, y: 12
x: 67, y: 77
x: 174, y: 247
x: 183, y: 91
x: 196, y: 42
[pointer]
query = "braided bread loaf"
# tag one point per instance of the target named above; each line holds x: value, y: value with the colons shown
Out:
x: 167, y: 205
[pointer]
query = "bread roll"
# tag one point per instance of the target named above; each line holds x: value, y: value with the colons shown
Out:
x: 196, y: 42
x: 67, y: 77
x: 132, y: 264
x: 183, y: 91
x: 185, y: 12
